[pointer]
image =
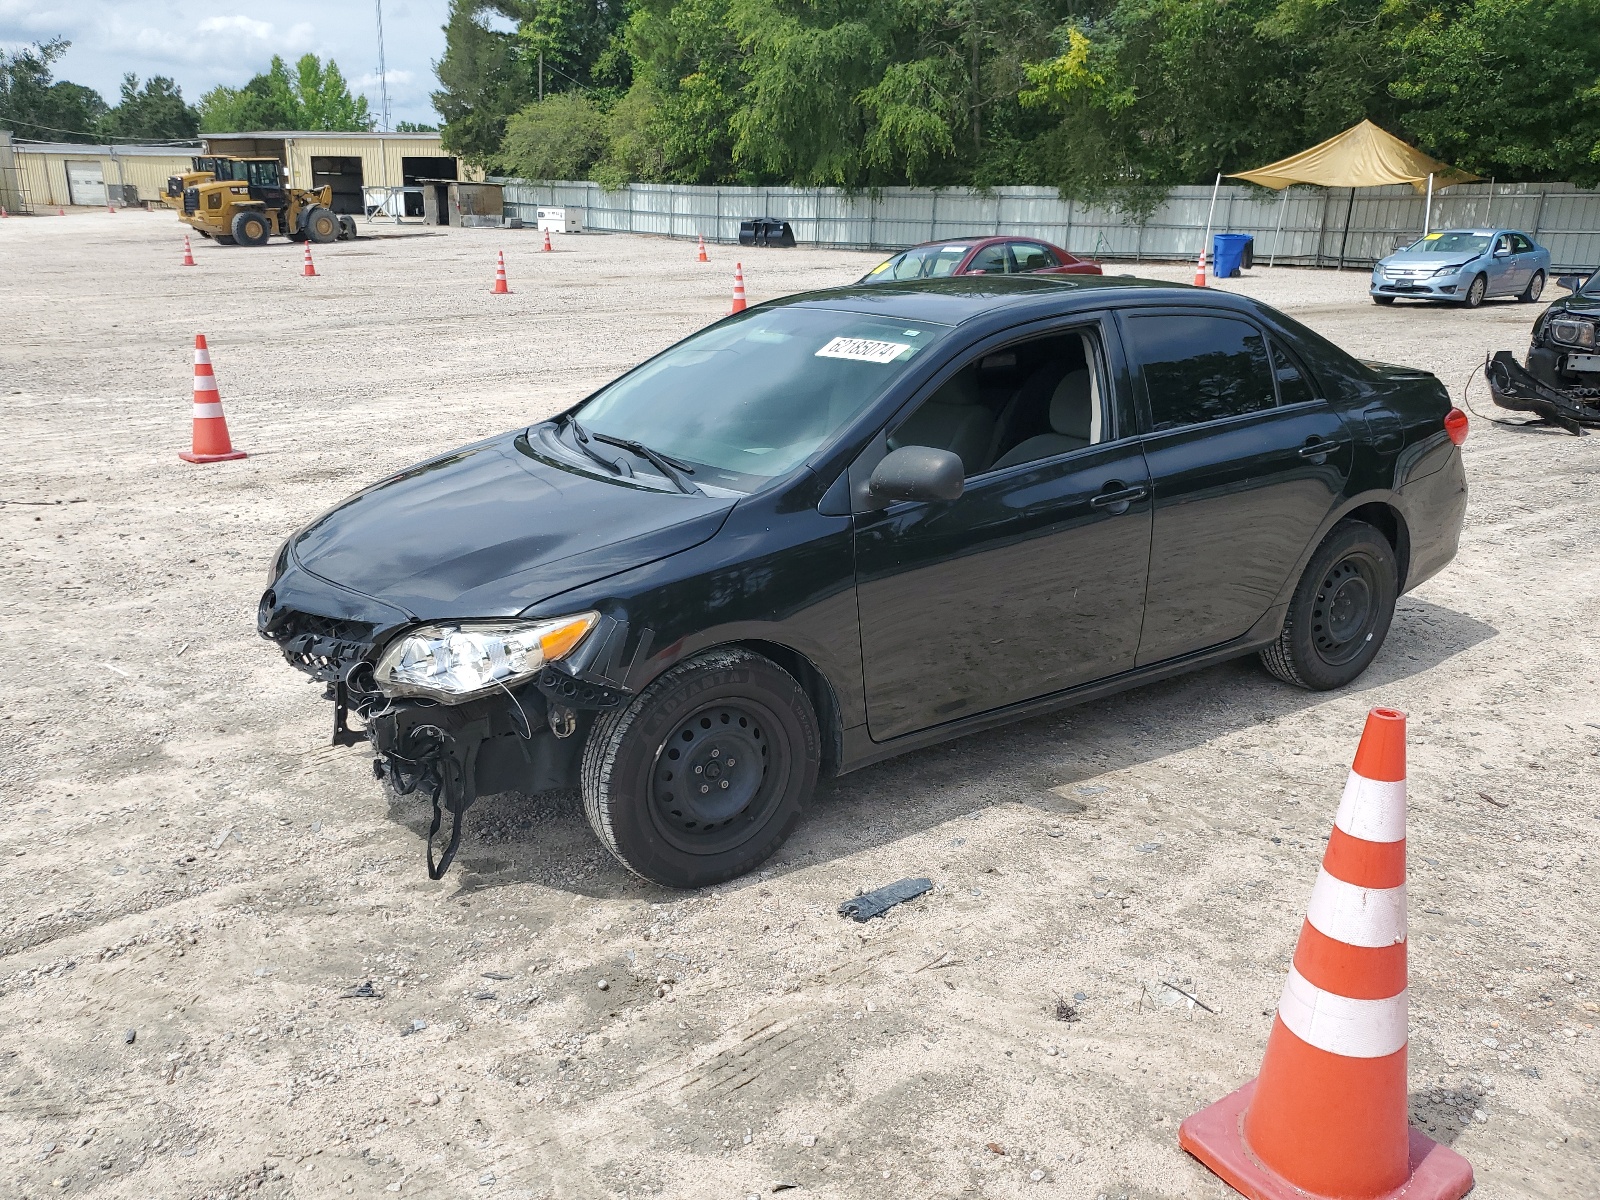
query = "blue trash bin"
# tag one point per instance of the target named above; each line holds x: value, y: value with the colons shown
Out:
x: 1228, y: 251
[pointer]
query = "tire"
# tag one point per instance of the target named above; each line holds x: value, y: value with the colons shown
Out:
x: 1383, y: 299
x: 1477, y: 290
x: 725, y: 707
x: 1340, y: 612
x: 1531, y: 293
x: 320, y: 225
x: 252, y: 227
x: 222, y: 239
x: 347, y: 227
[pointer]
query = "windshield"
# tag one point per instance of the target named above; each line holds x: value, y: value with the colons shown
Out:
x: 1450, y: 243
x: 749, y: 400
x: 923, y: 262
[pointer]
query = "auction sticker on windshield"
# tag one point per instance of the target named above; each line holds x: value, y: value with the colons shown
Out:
x: 863, y: 350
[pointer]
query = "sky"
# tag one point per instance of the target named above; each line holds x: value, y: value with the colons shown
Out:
x: 202, y: 44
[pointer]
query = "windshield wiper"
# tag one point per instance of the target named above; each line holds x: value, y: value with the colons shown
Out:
x: 581, y: 438
x: 674, y: 470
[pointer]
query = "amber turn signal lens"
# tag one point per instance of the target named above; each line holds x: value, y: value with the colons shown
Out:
x: 561, y: 640
x: 1455, y: 424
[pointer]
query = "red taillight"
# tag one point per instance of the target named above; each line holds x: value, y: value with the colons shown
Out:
x: 1455, y: 424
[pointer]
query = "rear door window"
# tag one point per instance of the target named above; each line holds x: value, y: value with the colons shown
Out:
x: 1031, y: 256
x: 1199, y: 367
x: 1293, y: 386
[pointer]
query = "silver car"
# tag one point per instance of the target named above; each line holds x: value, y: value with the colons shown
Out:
x: 1464, y: 266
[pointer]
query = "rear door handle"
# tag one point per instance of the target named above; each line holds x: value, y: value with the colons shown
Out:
x: 1320, y: 448
x: 1116, y: 496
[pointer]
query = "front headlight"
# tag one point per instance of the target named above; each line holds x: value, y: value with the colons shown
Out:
x: 459, y: 662
x: 1446, y: 271
x: 1572, y: 333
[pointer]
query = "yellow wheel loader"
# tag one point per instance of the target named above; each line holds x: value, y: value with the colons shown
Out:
x: 244, y: 202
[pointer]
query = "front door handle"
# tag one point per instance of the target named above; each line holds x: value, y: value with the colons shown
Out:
x: 1116, y: 496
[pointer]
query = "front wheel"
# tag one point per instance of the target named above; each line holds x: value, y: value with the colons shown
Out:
x: 321, y: 225
x: 1340, y: 611
x: 1530, y: 294
x: 1477, y: 290
x: 1383, y: 299
x: 704, y: 775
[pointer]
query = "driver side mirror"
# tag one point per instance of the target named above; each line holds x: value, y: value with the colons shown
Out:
x: 917, y: 473
x: 1571, y: 282
x: 1502, y: 251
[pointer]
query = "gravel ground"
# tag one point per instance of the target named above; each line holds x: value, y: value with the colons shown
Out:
x: 194, y: 877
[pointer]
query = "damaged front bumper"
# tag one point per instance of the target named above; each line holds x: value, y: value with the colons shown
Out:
x: 527, y: 738
x: 1569, y: 404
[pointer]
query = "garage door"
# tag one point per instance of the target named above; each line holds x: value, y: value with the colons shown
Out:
x: 85, y: 184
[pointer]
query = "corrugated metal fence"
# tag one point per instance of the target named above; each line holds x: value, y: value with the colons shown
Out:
x: 1302, y: 225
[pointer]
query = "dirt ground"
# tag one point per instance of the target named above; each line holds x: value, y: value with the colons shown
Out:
x: 192, y: 877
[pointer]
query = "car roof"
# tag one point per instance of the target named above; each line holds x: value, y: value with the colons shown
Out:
x: 955, y: 300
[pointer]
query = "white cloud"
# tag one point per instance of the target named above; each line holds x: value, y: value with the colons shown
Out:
x: 203, y: 43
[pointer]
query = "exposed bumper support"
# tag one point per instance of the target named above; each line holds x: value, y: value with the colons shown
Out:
x: 1514, y: 388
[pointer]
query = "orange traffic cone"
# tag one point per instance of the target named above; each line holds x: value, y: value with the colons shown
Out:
x: 3, y: 212
x: 111, y: 208
x: 1327, y: 1115
x: 188, y: 254
x: 60, y: 212
x: 547, y: 241
x: 702, y: 257
x: 500, y: 288
x: 738, y: 288
x: 1200, y: 269
x: 308, y: 270
x: 210, y: 442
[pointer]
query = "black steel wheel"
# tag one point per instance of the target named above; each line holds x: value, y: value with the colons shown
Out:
x: 1477, y: 290
x: 1340, y: 612
x: 704, y: 775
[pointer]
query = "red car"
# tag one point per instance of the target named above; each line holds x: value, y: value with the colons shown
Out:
x: 980, y: 256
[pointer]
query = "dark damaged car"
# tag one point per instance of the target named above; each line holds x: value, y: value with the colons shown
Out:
x: 848, y: 524
x: 1561, y: 381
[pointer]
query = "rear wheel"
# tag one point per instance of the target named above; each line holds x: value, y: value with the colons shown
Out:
x: 1530, y: 294
x: 321, y: 225
x: 251, y: 227
x: 1340, y: 612
x: 222, y: 239
x: 1477, y: 290
x: 347, y: 228
x: 704, y: 775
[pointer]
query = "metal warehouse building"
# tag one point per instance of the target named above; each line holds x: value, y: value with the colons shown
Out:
x: 353, y: 164
x: 57, y: 173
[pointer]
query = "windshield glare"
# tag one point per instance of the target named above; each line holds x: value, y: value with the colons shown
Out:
x: 924, y: 262
x: 1450, y: 243
x: 748, y: 400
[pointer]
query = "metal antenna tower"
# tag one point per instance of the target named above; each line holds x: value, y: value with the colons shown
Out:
x: 383, y: 73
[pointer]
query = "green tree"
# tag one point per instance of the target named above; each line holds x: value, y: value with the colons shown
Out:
x: 313, y: 96
x: 482, y: 81
x: 1508, y: 88
x: 415, y: 127
x: 35, y: 105
x: 560, y: 137
x: 156, y: 112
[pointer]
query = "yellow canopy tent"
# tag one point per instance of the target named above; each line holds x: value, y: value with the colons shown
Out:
x: 1362, y: 156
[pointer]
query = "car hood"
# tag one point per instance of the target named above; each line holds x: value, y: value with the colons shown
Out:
x: 491, y: 529
x: 1431, y: 261
x: 1576, y: 302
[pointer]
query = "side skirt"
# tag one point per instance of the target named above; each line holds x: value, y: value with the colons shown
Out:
x: 861, y: 751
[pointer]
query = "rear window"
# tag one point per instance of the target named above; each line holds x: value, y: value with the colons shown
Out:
x: 1201, y: 368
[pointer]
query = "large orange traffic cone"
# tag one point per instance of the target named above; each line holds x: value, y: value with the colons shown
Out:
x: 3, y: 212
x: 738, y: 288
x: 308, y: 269
x: 547, y: 241
x: 1326, y: 1118
x: 702, y: 256
x: 60, y: 212
x: 500, y: 288
x: 188, y: 253
x: 210, y: 442
x: 1200, y: 269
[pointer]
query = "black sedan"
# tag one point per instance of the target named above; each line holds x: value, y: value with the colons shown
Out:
x: 847, y: 524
